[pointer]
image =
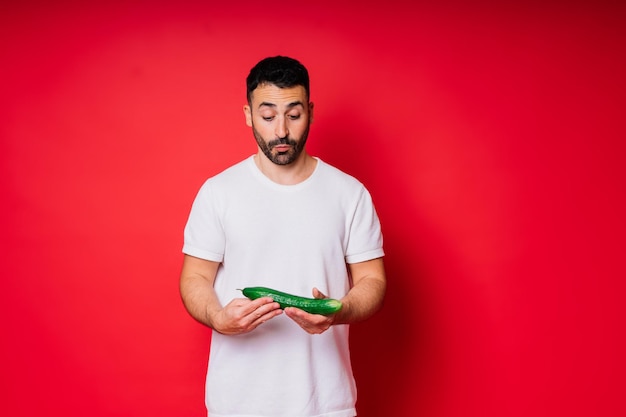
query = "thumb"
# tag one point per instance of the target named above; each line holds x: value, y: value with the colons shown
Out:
x: 318, y: 294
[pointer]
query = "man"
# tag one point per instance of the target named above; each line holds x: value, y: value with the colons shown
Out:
x: 285, y: 220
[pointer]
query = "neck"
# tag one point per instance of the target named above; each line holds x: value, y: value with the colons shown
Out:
x: 291, y: 174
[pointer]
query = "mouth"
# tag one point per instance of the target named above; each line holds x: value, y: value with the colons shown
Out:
x: 282, y: 148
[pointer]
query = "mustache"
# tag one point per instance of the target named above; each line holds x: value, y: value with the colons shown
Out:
x: 282, y: 141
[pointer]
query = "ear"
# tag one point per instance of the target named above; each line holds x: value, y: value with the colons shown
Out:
x: 311, y: 105
x: 248, y: 114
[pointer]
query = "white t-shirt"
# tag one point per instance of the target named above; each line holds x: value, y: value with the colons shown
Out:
x: 290, y: 238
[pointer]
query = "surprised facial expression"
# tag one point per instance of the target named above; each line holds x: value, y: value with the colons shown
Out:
x: 280, y: 119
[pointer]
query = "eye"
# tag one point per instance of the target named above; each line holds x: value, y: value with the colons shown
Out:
x: 268, y: 118
x: 294, y: 116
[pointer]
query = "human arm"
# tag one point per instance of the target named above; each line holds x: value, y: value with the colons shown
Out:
x: 364, y: 299
x: 200, y: 299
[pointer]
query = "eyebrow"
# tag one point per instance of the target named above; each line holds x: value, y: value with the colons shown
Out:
x: 290, y: 105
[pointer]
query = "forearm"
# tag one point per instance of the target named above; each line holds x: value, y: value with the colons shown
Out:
x: 199, y: 298
x: 240, y: 315
x: 362, y: 301
x: 196, y: 289
x: 366, y: 296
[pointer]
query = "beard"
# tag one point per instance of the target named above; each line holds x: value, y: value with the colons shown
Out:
x: 281, y: 158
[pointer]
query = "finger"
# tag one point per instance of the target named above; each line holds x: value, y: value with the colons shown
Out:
x: 298, y: 315
x: 308, y: 322
x: 260, y: 317
x: 256, y: 304
x: 318, y: 294
x: 270, y: 308
x: 265, y: 311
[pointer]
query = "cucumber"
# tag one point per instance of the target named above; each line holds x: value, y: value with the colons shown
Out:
x: 324, y: 306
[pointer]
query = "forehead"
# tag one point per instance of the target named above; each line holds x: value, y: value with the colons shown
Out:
x: 269, y: 94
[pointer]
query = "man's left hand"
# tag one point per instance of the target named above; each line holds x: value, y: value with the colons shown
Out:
x: 311, y: 323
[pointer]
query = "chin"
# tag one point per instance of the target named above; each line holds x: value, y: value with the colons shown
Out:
x: 284, y: 158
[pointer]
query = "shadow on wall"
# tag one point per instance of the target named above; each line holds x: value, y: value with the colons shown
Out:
x: 394, y: 354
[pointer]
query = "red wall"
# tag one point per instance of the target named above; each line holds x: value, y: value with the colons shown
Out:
x: 492, y: 140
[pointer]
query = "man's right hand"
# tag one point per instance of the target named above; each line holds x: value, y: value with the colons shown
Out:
x: 242, y: 315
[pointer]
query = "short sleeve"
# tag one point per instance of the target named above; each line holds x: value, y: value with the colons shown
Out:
x: 365, y: 241
x: 204, y: 235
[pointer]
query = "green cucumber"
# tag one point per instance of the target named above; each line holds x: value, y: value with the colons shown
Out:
x: 324, y: 306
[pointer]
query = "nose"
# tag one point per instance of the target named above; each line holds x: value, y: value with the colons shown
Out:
x: 282, y: 131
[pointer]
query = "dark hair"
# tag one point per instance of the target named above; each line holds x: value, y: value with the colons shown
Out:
x: 281, y: 71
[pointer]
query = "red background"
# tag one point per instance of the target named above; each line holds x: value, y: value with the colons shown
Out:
x: 490, y: 135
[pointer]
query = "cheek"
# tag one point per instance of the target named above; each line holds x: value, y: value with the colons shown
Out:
x: 299, y: 127
x: 260, y: 136
x: 264, y: 134
x: 304, y: 131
